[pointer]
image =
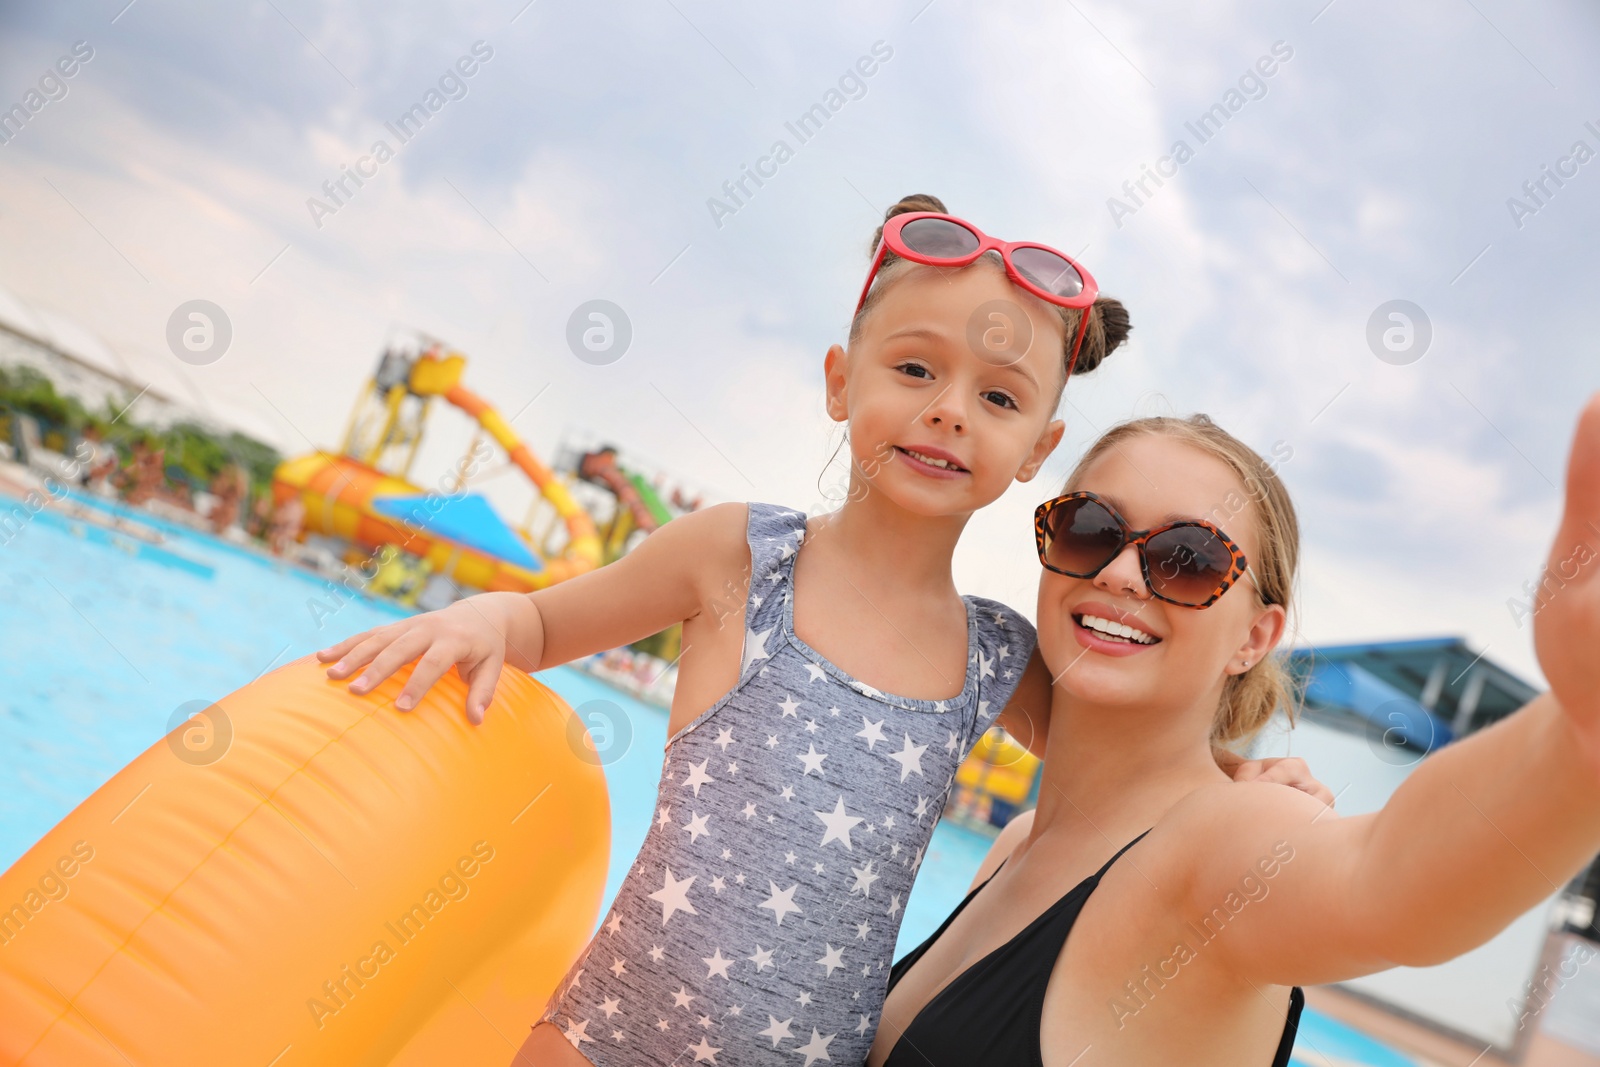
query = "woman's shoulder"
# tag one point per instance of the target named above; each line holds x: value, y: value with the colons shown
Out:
x: 1219, y: 829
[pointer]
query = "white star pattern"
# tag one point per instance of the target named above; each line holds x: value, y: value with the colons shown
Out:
x: 815, y: 1049
x: 872, y: 731
x: 846, y: 989
x: 696, y: 827
x: 674, y: 896
x: 864, y: 879
x: 755, y: 647
x: 838, y: 824
x: 813, y: 760
x: 832, y: 959
x: 716, y: 966
x: 781, y: 901
x: 698, y: 776
x: 777, y: 1031
x: 909, y: 758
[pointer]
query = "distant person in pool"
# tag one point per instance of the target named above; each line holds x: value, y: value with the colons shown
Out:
x: 758, y: 921
x: 1194, y: 906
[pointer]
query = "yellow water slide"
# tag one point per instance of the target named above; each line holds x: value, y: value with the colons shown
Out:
x: 339, y: 491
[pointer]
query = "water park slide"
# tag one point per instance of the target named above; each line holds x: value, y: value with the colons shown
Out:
x: 300, y: 876
x: 630, y: 489
x: 346, y: 497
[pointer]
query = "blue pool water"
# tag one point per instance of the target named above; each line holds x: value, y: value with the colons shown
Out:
x: 103, y: 641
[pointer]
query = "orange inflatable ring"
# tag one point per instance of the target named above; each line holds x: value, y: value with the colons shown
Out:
x: 300, y: 877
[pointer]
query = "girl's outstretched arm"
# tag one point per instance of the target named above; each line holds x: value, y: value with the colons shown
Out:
x: 669, y: 577
x: 1479, y: 833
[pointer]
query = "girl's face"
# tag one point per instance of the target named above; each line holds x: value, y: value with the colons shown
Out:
x: 945, y: 409
x: 1181, y: 656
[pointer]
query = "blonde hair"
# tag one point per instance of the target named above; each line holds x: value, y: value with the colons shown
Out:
x: 1248, y: 699
x: 1109, y: 323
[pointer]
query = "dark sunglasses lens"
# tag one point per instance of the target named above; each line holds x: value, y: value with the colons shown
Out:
x: 939, y: 238
x: 1187, y: 563
x: 1047, y: 270
x: 1081, y: 536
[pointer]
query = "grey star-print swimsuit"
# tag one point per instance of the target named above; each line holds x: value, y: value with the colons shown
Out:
x: 758, y: 922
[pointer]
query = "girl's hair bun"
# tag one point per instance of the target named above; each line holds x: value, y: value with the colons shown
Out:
x: 1109, y: 326
x: 914, y: 202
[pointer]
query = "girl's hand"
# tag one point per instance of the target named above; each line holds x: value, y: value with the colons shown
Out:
x: 1566, y: 621
x: 1285, y: 770
x: 469, y: 634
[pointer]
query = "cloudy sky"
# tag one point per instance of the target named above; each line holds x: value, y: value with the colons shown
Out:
x: 577, y: 162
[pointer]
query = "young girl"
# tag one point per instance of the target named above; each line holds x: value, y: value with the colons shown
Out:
x: 832, y: 678
x: 1189, y: 948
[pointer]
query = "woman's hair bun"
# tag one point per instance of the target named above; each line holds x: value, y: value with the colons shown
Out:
x: 1109, y: 326
x: 914, y: 202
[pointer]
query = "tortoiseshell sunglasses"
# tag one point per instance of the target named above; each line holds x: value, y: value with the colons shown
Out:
x: 1189, y: 563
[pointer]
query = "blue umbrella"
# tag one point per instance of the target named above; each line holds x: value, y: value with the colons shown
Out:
x: 465, y: 518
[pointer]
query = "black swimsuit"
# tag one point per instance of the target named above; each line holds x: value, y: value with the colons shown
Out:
x: 992, y: 1011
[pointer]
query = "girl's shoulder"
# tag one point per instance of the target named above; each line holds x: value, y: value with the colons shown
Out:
x: 1000, y: 625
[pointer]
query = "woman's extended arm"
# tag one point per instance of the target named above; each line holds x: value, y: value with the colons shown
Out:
x: 1479, y: 833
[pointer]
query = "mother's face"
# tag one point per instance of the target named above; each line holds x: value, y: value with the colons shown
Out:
x: 1182, y: 656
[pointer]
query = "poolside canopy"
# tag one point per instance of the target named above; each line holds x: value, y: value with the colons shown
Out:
x: 465, y: 518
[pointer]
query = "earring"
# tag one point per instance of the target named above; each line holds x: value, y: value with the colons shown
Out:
x: 1246, y: 664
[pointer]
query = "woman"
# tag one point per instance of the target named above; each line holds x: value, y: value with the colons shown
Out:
x: 1196, y: 910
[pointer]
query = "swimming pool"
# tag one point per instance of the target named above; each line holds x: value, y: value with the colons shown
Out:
x: 103, y: 642
x: 106, y: 641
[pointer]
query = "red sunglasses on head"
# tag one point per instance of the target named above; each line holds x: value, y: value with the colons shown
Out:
x: 938, y: 240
